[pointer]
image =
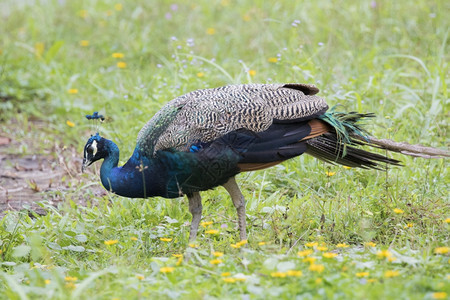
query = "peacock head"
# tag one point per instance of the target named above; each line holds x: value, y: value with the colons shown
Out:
x: 94, y: 150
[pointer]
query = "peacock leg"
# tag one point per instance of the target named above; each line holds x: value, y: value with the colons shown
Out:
x: 239, y: 202
x: 195, y: 208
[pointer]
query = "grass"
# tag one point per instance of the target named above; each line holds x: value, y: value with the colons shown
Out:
x: 57, y: 63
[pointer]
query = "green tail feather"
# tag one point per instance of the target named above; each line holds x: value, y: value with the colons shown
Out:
x: 346, y: 124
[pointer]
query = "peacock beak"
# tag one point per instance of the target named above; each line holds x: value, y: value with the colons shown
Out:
x: 86, y: 163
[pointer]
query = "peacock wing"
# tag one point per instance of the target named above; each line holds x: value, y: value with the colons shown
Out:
x: 205, y: 115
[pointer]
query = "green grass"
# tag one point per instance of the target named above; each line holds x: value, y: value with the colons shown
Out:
x: 390, y: 58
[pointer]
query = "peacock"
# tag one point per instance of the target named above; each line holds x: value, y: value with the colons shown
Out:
x: 203, y: 139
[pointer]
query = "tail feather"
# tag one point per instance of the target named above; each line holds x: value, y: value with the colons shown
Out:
x: 337, y: 146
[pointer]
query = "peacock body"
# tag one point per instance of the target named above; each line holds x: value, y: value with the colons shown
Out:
x: 202, y: 139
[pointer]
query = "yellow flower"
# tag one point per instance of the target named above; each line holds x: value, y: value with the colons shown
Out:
x: 409, y: 225
x: 118, y: 7
x: 215, y: 261
x: 133, y: 238
x: 391, y: 259
x: 261, y: 243
x: 140, y: 277
x: 447, y: 220
x: 180, y: 260
x: 312, y: 244
x: 240, y: 279
x: 210, y: 31
x: 305, y: 252
x: 84, y: 43
x: 272, y: 59
x: 278, y: 274
x: 322, y: 248
x: 217, y: 254
x: 311, y: 260
x: 370, y: 244
x: 236, y: 246
x: 398, y: 211
x: 329, y: 255
x: 371, y: 280
x: 246, y: 17
x: 166, y: 269
x: 72, y: 91
x: 439, y: 295
x: 229, y: 279
x: 47, y: 281
x: 118, y: 55
x: 110, y: 242
x: 348, y: 168
x: 200, y: 74
x: 121, y: 65
x: 70, y: 124
x: 342, y: 245
x: 318, y: 280
x: 252, y: 72
x: 362, y: 274
x: 294, y: 273
x: 70, y: 278
x: 316, y: 268
x: 384, y: 253
x: 192, y: 245
x: 205, y: 224
x: 177, y: 255
x: 212, y: 231
x: 242, y: 243
x: 165, y: 239
x: 225, y: 274
x: 391, y: 273
x: 441, y: 250
x: 70, y: 285
x: 83, y: 13
x: 329, y: 173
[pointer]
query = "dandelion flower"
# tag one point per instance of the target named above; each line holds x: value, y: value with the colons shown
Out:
x: 206, y: 224
x: 305, y: 252
x: 391, y: 273
x: 212, y: 231
x: 384, y: 254
x: 441, y: 250
x: 110, y: 242
x: 447, y: 220
x: 322, y: 248
x: 166, y: 269
x: 329, y: 173
x: 370, y: 244
x: 371, y: 280
x: 217, y: 254
x: 316, y: 268
x: 342, y: 245
x: 311, y: 260
x: 47, y: 281
x: 312, y: 244
x: 210, y: 31
x: 242, y: 243
x: 261, y: 243
x: 72, y: 91
x: 278, y: 274
x: 236, y: 246
x: 133, y: 238
x: 410, y: 225
x: 70, y: 123
x: 70, y: 278
x: 84, y: 43
x: 215, y: 261
x: 398, y: 211
x: 272, y: 59
x: 225, y: 274
x: 118, y: 55
x: 180, y: 260
x: 192, y: 245
x: 140, y: 277
x: 439, y: 295
x: 362, y: 274
x: 200, y: 74
x: 118, y: 7
x: 391, y: 259
x: 252, y: 72
x: 347, y: 168
x: 294, y: 273
x: 329, y: 255
x: 165, y: 239
x: 229, y: 279
x: 177, y: 255
x: 121, y: 65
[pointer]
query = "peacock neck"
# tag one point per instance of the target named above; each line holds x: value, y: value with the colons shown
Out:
x: 109, y: 164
